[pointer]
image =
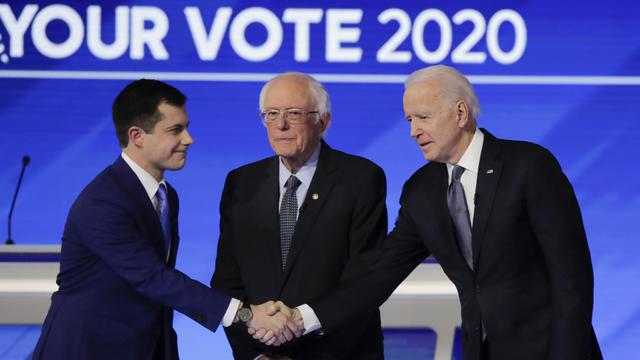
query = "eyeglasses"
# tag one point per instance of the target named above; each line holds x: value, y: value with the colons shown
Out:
x: 293, y: 116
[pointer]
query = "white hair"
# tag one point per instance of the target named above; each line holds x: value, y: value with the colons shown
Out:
x: 318, y: 91
x: 455, y: 86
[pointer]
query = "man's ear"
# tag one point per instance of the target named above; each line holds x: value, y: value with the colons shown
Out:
x: 136, y: 136
x: 462, y: 113
x: 324, y: 122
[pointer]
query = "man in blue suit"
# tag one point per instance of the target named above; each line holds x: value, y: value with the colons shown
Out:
x: 117, y: 282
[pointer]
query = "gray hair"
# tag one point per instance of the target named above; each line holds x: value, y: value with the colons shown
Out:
x: 318, y: 91
x: 455, y: 86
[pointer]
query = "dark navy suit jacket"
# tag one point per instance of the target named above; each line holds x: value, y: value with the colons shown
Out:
x: 116, y: 289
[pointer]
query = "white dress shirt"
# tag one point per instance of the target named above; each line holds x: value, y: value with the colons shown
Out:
x: 304, y: 174
x: 149, y: 183
x: 470, y: 161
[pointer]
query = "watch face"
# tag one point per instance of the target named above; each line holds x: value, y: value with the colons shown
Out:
x: 245, y: 314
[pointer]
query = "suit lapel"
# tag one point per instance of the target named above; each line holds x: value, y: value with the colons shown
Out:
x: 175, y: 238
x: 132, y: 185
x: 266, y: 208
x: 488, y: 175
x: 317, y: 195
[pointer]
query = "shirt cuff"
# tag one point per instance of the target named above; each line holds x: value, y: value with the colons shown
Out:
x: 309, y: 318
x: 228, y: 317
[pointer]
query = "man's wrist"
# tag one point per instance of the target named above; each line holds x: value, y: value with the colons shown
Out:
x: 244, y: 313
x: 236, y: 318
x: 310, y: 321
x: 230, y: 314
x: 297, y: 316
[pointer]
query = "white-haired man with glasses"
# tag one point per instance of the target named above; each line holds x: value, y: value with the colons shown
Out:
x: 297, y: 224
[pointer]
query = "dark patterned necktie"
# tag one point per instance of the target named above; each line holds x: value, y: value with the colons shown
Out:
x: 288, y: 216
x: 460, y: 215
x: 162, y: 208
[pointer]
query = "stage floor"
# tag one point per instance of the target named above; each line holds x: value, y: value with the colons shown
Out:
x: 17, y: 342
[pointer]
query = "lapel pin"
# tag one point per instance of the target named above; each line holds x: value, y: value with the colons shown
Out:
x: 490, y: 171
x: 315, y: 196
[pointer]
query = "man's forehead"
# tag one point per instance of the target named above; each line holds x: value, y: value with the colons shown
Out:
x: 288, y: 99
x: 290, y: 85
x: 163, y: 105
x: 172, y: 115
x: 428, y: 85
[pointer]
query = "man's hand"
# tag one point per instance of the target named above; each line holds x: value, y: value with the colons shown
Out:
x: 281, y: 314
x: 274, y: 357
x: 296, y: 323
x: 270, y: 323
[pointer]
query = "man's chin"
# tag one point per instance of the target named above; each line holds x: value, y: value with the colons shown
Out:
x: 176, y: 165
x: 285, y: 152
x: 432, y: 157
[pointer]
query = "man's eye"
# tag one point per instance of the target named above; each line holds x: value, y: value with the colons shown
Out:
x: 295, y: 113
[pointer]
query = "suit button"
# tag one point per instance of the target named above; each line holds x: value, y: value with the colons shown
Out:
x: 477, y: 328
x: 477, y: 289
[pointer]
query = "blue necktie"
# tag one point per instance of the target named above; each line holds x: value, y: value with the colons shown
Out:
x: 162, y: 208
x: 460, y: 215
x: 288, y: 217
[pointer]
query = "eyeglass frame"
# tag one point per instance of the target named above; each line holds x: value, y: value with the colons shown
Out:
x: 285, y: 113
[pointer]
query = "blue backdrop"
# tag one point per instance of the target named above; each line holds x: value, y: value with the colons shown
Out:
x: 562, y: 74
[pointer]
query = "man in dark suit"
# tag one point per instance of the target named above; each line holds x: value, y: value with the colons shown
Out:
x: 503, y: 222
x: 295, y: 225
x: 117, y: 282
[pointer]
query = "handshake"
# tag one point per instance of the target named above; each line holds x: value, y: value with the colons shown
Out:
x: 274, y: 323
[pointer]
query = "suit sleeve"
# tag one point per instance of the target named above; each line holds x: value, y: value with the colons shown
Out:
x: 368, y: 223
x: 557, y: 223
x: 388, y: 266
x: 227, y: 278
x: 110, y: 230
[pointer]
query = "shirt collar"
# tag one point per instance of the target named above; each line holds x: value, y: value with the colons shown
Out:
x: 305, y: 173
x: 149, y: 183
x: 470, y: 160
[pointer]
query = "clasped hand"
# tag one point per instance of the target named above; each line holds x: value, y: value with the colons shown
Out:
x: 274, y: 323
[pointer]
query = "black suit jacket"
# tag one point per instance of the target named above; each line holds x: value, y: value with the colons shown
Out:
x: 532, y: 288
x: 334, y: 233
x: 116, y: 290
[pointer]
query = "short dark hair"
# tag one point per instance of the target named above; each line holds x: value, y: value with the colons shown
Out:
x: 137, y: 105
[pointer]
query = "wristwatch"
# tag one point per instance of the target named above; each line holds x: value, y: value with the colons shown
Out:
x: 244, y: 313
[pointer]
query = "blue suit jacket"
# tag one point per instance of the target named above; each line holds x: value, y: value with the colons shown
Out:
x: 116, y: 290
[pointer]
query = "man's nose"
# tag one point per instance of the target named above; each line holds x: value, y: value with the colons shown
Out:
x: 414, y: 130
x: 281, y: 122
x: 187, y: 139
